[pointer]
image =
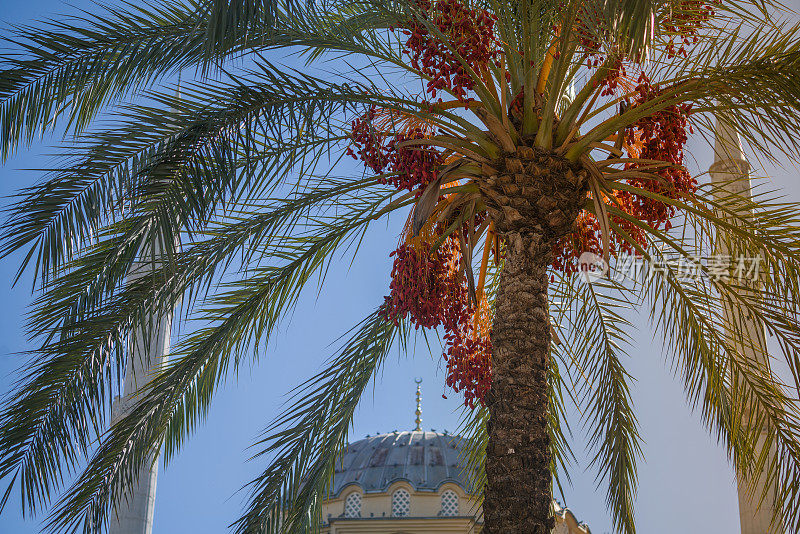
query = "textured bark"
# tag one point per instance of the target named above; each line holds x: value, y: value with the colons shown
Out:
x: 534, y: 191
x: 518, y: 493
x: 533, y: 199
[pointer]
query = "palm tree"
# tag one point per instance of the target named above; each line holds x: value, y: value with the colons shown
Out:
x: 515, y: 136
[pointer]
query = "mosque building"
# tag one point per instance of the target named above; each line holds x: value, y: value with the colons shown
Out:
x: 410, y: 483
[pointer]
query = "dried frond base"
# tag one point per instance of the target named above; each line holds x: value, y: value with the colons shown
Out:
x: 535, y: 192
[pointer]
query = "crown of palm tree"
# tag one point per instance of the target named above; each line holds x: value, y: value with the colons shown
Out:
x: 476, y: 120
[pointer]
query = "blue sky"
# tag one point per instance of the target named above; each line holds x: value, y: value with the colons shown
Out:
x: 686, y: 483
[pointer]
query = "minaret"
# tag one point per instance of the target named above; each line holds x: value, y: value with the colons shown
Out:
x: 731, y: 173
x: 418, y: 420
x: 146, y: 350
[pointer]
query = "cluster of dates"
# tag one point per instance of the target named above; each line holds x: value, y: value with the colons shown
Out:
x: 428, y: 288
x: 470, y: 35
x: 684, y: 22
x: 681, y: 25
x: 658, y: 137
x: 584, y: 237
x: 367, y: 143
x: 663, y: 135
x: 610, y: 83
x: 469, y: 362
x: 415, y: 167
x: 587, y: 237
x: 410, y: 168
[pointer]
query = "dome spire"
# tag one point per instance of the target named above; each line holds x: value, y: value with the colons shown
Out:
x: 418, y: 413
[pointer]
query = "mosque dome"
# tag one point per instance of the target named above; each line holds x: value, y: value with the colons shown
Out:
x: 425, y: 460
x: 410, y: 483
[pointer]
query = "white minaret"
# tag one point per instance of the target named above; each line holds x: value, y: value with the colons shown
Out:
x: 731, y: 172
x: 147, y: 347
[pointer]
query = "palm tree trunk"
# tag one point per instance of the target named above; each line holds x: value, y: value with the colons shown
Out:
x: 519, y: 481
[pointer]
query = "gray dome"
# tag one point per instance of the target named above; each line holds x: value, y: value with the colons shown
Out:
x: 424, y: 459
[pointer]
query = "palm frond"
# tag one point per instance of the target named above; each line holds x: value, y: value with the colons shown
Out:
x: 712, y: 321
x: 594, y: 338
x: 742, y: 402
x: 305, y: 442
x: 73, y: 66
x: 185, y: 157
x: 67, y: 388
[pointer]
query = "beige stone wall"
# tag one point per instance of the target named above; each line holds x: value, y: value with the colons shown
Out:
x: 424, y: 515
x: 411, y: 525
x: 423, y: 504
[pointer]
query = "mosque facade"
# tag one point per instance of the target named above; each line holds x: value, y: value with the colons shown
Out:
x: 410, y: 483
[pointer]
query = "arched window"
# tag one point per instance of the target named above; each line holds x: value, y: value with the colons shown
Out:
x: 449, y: 503
x: 352, y: 505
x: 401, y: 503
